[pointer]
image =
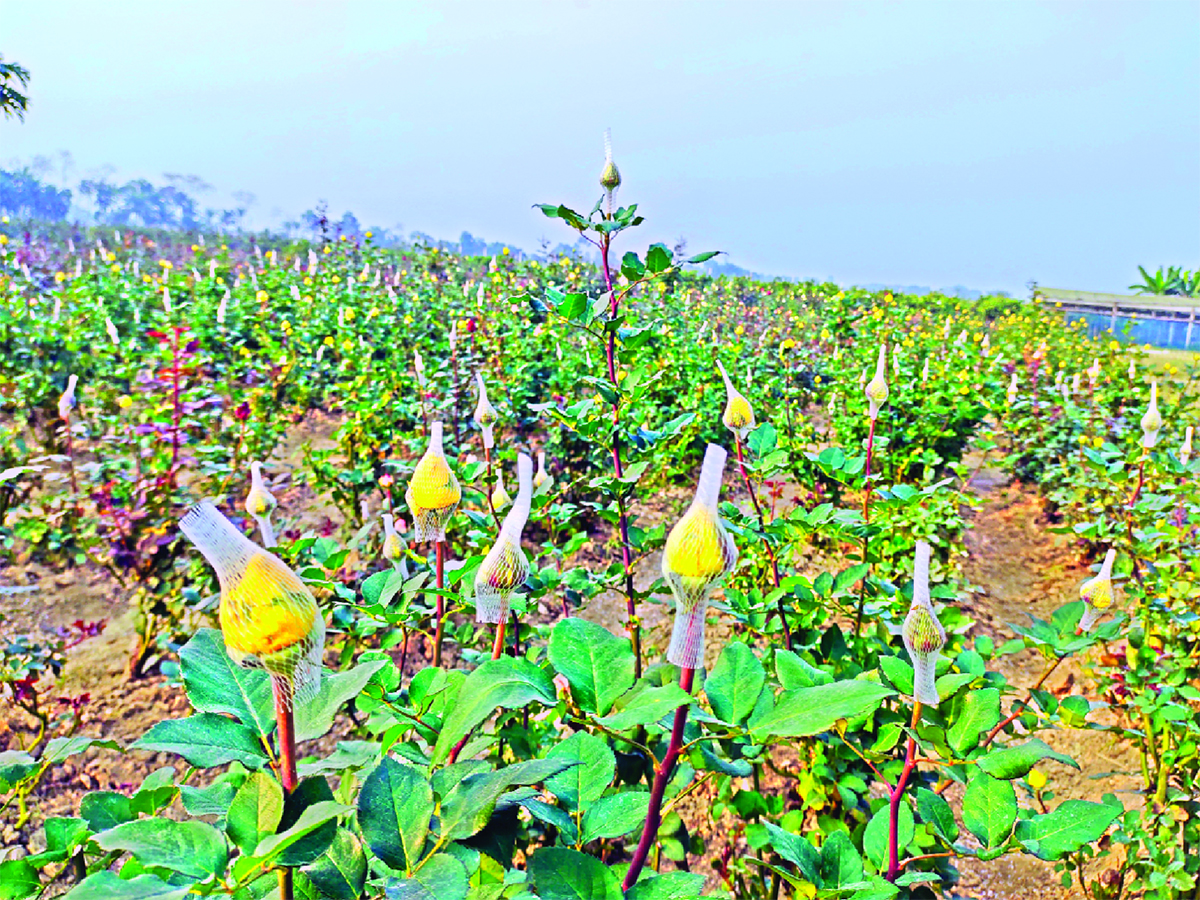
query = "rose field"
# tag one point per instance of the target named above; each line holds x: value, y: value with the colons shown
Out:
x: 338, y: 570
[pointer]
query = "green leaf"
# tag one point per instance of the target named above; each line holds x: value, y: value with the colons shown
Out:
x: 597, y: 664
x: 59, y: 748
x: 468, y: 806
x: 104, y: 809
x: 735, y: 683
x: 586, y: 782
x: 314, y: 719
x: 394, y: 809
x: 572, y: 306
x: 505, y: 683
x: 658, y: 258
x: 560, y: 874
x: 1066, y: 829
x: 980, y: 712
x: 301, y: 840
x: 341, y: 871
x: 1015, y: 762
x: 647, y: 706
x: 875, y: 837
x: 810, y: 711
x: 798, y: 851
x: 840, y: 863
x: 442, y: 877
x: 216, y: 684
x: 615, y: 815
x: 205, y: 740
x: 255, y: 812
x: 18, y: 880
x: 899, y: 673
x: 989, y: 809
x: 193, y: 849
x: 703, y: 257
x: 63, y: 836
x: 936, y: 812
x: 794, y: 672
x: 110, y: 886
x: 668, y: 886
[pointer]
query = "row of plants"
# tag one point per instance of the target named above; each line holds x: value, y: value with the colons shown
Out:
x: 849, y: 735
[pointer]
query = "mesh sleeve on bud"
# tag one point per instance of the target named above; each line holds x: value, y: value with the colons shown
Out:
x: 503, y: 570
x: 227, y: 550
x: 687, y: 636
x: 924, y: 639
x: 1091, y: 615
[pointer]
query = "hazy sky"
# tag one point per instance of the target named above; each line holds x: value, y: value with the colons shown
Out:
x: 972, y: 143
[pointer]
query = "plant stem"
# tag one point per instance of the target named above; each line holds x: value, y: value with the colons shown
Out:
x: 439, y: 624
x: 762, y: 526
x: 862, y: 597
x: 287, y: 760
x: 896, y: 796
x: 490, y: 483
x: 498, y: 643
x: 610, y: 356
x: 662, y: 776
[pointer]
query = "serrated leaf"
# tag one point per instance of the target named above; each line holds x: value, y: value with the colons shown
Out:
x: 735, y: 683
x: 810, y: 711
x: 598, y: 665
x: 1016, y: 762
x: 205, y: 740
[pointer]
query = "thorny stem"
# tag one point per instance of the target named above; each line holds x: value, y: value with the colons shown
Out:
x: 440, y: 625
x: 610, y: 355
x: 662, y: 775
x: 862, y: 597
x: 287, y: 760
x: 897, y: 795
x: 762, y: 526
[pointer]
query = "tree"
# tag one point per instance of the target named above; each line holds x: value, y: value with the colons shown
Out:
x: 12, y: 101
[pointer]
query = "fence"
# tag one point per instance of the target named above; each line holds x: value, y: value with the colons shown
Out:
x: 1160, y: 320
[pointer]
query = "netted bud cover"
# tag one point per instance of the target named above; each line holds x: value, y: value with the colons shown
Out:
x: 1152, y: 421
x: 738, y: 417
x: 877, y: 388
x: 1011, y: 393
x: 1185, y: 452
x: 433, y: 493
x: 260, y: 503
x: 1097, y: 593
x: 500, y: 497
x: 610, y: 176
x: 269, y: 619
x: 923, y: 634
x: 393, y: 545
x: 66, y: 402
x: 419, y: 367
x: 542, y: 477
x: 699, y: 551
x: 485, y: 414
x: 506, y: 567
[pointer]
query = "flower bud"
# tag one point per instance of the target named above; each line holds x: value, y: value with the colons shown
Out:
x: 738, y: 416
x: 698, y: 552
x: 394, y: 550
x: 506, y: 567
x: 260, y: 503
x: 877, y: 388
x: 419, y: 367
x: 610, y: 177
x: 66, y: 402
x: 1011, y: 393
x: 1097, y: 593
x: 923, y: 634
x: 542, y: 477
x: 485, y: 414
x: 1185, y: 452
x: 500, y: 497
x: 433, y: 493
x: 269, y: 618
x: 1152, y: 421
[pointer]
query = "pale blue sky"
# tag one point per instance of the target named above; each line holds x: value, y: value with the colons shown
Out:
x: 983, y: 144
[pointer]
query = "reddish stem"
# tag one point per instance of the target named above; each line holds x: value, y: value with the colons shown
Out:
x: 498, y: 643
x: 440, y: 625
x: 662, y: 776
x: 867, y: 475
x: 897, y: 796
x: 610, y: 353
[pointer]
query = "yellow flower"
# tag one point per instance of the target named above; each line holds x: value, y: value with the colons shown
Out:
x: 147, y: 279
x: 327, y: 250
x: 60, y: 277
x: 368, y: 234
x: 1097, y: 442
x: 307, y: 280
x: 262, y: 296
x: 165, y: 263
x: 965, y: 389
x: 124, y: 401
x: 111, y: 257
x: 1037, y: 780
x: 347, y: 345
x: 3, y: 239
x: 329, y: 342
x: 739, y: 331
x: 195, y: 247
x: 114, y: 268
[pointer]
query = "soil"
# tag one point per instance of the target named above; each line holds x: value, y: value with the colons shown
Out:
x: 1016, y: 566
